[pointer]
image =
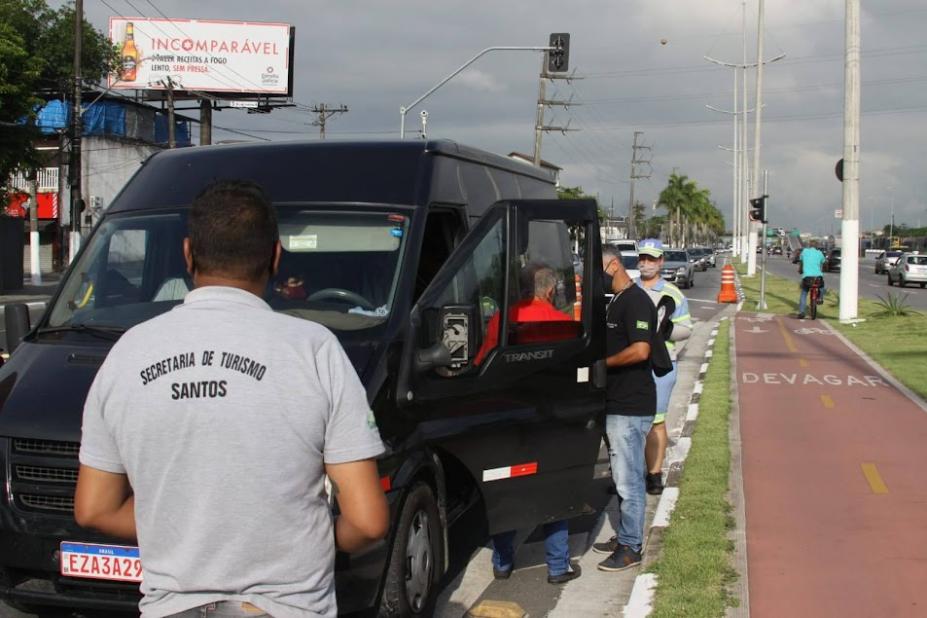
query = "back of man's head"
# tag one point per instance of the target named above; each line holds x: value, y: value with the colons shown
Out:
x: 233, y: 231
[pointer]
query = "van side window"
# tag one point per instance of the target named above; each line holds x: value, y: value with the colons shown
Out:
x: 443, y: 229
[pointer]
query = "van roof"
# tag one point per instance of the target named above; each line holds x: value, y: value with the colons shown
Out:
x: 395, y: 172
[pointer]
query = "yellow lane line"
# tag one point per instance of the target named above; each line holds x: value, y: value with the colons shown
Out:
x: 875, y: 479
x: 789, y: 342
x: 827, y: 401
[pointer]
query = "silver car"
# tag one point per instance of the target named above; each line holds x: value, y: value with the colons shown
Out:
x: 677, y: 268
x: 886, y: 260
x: 909, y: 268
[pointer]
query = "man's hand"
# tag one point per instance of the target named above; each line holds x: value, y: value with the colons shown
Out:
x: 104, y: 501
x: 364, y: 515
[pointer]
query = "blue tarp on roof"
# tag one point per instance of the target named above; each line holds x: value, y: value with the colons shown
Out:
x: 110, y: 118
x: 53, y: 117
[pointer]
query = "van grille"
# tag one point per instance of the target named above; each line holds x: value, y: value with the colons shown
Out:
x: 44, y: 475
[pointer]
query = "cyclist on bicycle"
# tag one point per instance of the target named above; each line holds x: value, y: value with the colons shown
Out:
x: 810, y: 264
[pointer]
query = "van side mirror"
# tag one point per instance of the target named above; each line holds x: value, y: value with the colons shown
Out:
x: 454, y: 340
x: 16, y: 322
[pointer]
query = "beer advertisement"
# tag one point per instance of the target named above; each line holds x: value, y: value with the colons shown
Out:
x: 202, y: 55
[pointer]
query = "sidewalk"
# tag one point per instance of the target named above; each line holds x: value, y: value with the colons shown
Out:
x: 833, y: 459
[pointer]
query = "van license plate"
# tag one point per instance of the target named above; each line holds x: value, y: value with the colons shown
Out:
x: 113, y: 562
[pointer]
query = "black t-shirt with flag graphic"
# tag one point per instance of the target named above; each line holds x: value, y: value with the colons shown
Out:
x: 631, y: 317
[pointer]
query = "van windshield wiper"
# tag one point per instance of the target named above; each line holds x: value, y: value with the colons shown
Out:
x: 107, y: 332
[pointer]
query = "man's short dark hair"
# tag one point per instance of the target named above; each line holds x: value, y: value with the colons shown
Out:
x: 233, y: 230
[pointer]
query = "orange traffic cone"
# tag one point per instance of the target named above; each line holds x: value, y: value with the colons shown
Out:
x: 578, y: 305
x: 727, y: 294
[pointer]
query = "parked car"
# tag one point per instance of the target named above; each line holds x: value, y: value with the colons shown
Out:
x: 630, y: 261
x: 832, y: 261
x: 777, y: 250
x: 677, y: 268
x: 909, y: 268
x: 407, y: 250
x: 886, y: 260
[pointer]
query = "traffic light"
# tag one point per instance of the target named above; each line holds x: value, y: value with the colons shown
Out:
x: 558, y: 59
x: 758, y: 209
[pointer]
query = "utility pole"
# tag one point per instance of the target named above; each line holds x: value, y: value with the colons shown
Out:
x: 761, y: 305
x: 169, y: 84
x: 35, y: 255
x: 636, y: 173
x: 543, y: 102
x: 758, y: 118
x: 74, y: 167
x: 325, y: 112
x: 849, y: 230
x: 744, y: 138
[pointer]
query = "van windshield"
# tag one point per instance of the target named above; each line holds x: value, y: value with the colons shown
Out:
x: 338, y: 268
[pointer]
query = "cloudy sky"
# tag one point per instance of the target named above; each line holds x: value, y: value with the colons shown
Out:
x: 374, y: 56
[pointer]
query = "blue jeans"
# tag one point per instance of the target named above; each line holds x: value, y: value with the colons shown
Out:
x: 627, y: 436
x: 556, y: 544
x: 803, y: 298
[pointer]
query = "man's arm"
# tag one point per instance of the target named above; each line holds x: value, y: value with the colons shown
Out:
x: 364, y: 515
x: 104, y: 501
x: 637, y: 352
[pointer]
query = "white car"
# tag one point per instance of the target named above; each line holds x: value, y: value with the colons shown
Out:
x: 630, y: 260
x: 909, y: 268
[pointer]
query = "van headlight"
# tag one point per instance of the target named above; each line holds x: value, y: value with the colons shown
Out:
x: 681, y: 271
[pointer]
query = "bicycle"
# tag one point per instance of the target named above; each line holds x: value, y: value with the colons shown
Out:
x: 813, y: 295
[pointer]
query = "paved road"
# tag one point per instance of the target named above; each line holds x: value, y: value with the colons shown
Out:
x: 832, y: 468
x: 596, y: 592
x: 871, y: 285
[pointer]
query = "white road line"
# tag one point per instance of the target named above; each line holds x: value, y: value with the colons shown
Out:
x: 641, y: 602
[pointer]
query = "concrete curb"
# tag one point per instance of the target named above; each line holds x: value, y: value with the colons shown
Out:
x: 736, y: 498
x: 645, y: 584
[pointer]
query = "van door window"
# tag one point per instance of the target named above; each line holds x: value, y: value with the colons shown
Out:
x: 442, y: 232
x: 545, y: 296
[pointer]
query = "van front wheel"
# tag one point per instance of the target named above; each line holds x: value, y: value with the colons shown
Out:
x: 416, y: 559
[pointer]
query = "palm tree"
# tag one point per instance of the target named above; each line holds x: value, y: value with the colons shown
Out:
x: 689, y: 209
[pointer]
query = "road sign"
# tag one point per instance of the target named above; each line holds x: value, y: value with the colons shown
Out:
x: 244, y: 104
x: 838, y: 213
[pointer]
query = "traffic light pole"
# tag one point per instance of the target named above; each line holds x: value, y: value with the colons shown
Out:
x: 761, y: 305
x: 404, y: 109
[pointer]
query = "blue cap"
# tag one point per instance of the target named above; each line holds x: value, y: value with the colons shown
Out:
x: 651, y: 246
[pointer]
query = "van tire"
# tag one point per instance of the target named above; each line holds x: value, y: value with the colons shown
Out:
x: 416, y: 559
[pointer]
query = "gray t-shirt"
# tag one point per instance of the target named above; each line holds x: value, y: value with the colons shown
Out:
x: 223, y: 413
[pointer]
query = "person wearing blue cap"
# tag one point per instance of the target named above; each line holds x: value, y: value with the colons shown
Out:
x: 678, y: 323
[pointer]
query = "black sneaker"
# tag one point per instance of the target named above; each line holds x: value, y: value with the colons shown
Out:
x: 623, y: 558
x: 654, y: 484
x: 801, y: 316
x: 500, y: 574
x: 574, y: 572
x: 608, y: 547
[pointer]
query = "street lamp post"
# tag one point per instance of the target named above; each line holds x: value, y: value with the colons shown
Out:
x: 404, y: 109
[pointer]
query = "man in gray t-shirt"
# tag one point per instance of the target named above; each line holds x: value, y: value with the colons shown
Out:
x: 208, y: 432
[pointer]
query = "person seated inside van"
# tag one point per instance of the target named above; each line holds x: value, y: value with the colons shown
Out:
x: 538, y: 285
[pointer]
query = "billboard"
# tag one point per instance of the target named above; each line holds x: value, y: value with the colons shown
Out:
x: 203, y: 55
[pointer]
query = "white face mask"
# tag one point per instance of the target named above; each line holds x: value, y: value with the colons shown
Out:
x: 649, y: 270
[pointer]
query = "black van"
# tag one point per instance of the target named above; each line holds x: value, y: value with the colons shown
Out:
x: 406, y: 251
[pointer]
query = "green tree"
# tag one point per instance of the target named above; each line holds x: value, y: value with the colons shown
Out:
x: 36, y: 63
x: 692, y: 216
x: 577, y: 193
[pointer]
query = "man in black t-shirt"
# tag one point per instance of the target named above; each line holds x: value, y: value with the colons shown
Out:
x: 631, y: 402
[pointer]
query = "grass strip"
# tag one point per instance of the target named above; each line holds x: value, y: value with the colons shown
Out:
x: 897, y: 342
x: 694, y: 568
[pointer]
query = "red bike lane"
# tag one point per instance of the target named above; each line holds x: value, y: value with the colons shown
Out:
x: 834, y: 462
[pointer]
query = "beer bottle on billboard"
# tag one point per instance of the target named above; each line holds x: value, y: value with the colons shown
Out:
x: 129, y: 54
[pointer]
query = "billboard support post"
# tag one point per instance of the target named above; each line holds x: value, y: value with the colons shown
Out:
x: 205, y: 122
